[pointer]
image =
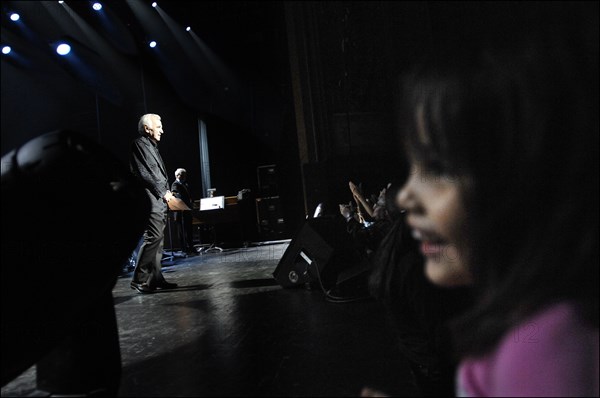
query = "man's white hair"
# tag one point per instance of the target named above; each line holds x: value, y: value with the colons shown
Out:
x: 179, y: 172
x: 146, y: 120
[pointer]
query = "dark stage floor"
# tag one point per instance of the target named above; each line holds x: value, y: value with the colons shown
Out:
x: 230, y: 329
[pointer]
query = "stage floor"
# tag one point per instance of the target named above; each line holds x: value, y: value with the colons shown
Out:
x: 229, y: 329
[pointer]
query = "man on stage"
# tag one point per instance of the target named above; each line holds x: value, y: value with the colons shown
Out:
x: 183, y: 218
x: 147, y: 165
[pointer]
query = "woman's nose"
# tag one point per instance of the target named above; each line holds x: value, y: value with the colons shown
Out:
x: 406, y: 198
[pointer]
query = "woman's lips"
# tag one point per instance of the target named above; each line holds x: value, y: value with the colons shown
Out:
x: 432, y: 249
x: 432, y: 245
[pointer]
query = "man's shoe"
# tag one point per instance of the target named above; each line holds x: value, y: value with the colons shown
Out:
x: 166, y: 285
x: 141, y: 287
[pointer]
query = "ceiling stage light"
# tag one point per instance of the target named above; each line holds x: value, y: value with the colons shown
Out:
x: 14, y: 16
x: 152, y: 44
x: 154, y: 4
x: 188, y: 28
x: 6, y: 49
x: 97, y: 6
x: 63, y: 49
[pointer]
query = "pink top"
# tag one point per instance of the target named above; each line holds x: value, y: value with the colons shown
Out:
x: 552, y: 354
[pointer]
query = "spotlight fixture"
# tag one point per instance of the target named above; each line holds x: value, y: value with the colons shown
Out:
x: 97, y: 6
x: 188, y: 29
x: 14, y: 17
x: 154, y: 4
x: 6, y: 50
x: 63, y: 49
x: 60, y: 1
x: 152, y: 44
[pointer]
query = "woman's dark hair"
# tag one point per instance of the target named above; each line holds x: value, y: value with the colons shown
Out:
x: 520, y: 126
x: 417, y: 310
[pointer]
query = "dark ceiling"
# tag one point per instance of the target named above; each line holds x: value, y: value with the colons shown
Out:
x: 241, y: 51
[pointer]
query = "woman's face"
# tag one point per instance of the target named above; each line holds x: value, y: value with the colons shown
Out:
x: 436, y: 216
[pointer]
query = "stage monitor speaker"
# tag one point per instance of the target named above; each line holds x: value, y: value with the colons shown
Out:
x: 321, y: 245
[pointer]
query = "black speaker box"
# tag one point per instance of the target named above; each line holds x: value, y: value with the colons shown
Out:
x: 270, y: 218
x: 322, y: 249
x: 267, y: 180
